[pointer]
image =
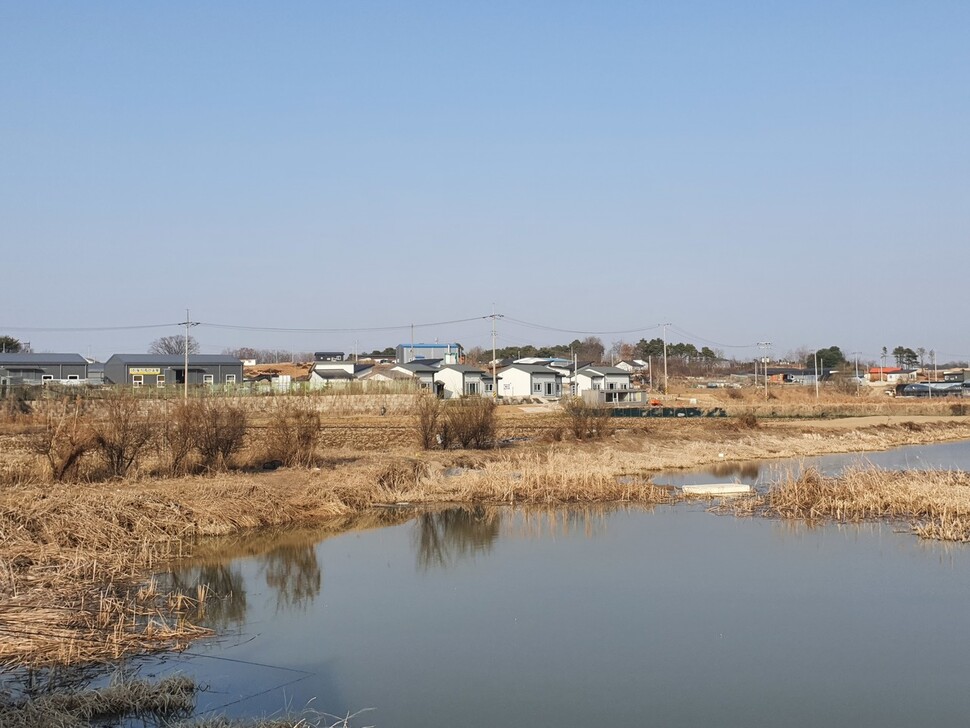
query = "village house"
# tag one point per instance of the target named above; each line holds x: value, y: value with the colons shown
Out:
x: 43, y: 368
x: 160, y: 370
x: 530, y: 380
x: 460, y: 380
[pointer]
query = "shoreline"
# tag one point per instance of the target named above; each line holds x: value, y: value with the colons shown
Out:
x: 75, y: 558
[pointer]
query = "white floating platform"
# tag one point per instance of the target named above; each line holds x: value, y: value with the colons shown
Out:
x: 717, y: 489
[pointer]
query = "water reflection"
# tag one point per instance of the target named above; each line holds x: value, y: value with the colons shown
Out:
x: 744, y: 471
x: 294, y: 574
x: 225, y: 604
x: 445, y: 537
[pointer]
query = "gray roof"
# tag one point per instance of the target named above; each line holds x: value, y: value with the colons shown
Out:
x: 419, y: 366
x: 463, y: 368
x: 606, y: 370
x: 169, y: 360
x: 333, y: 374
x: 533, y: 369
x: 41, y: 359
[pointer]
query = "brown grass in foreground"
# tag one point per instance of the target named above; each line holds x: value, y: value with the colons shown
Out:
x: 936, y: 503
x: 72, y: 555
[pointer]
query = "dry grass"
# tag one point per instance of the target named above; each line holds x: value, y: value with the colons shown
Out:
x: 935, y: 503
x: 169, y: 698
x: 72, y: 555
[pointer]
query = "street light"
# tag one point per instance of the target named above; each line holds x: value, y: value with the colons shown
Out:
x: 765, y: 346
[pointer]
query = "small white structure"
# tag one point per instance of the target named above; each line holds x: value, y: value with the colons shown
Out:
x: 459, y: 380
x: 601, y: 378
x: 336, y: 373
x: 632, y: 365
x: 530, y: 380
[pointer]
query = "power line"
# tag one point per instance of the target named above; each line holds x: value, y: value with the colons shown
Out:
x: 576, y: 331
x: 88, y: 328
x: 278, y: 329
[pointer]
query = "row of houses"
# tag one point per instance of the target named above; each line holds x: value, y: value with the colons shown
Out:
x: 445, y: 376
x: 137, y: 370
x: 533, y: 378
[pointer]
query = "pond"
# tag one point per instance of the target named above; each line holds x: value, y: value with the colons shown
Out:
x: 949, y: 455
x: 671, y: 616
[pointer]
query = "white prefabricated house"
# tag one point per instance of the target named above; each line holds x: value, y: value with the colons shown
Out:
x: 459, y: 380
x: 605, y: 378
x: 530, y: 380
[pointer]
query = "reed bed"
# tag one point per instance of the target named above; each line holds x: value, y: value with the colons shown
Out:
x: 164, y: 700
x: 73, y: 555
x: 936, y: 503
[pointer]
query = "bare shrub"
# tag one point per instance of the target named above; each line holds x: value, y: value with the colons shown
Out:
x: 733, y: 393
x: 64, y: 439
x: 427, y: 414
x: 471, y: 422
x: 17, y: 401
x: 586, y: 421
x: 122, y: 434
x: 178, y: 436
x: 401, y: 475
x: 220, y: 430
x: 293, y: 433
x: 746, y: 421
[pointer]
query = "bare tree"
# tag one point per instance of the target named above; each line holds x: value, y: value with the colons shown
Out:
x: 173, y: 345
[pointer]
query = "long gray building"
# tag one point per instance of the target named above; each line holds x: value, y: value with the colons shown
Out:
x: 152, y: 370
x: 40, y: 368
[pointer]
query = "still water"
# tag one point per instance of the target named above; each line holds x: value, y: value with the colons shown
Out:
x: 669, y: 617
x: 945, y: 456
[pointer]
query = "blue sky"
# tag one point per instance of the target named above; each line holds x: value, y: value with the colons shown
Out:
x: 792, y: 172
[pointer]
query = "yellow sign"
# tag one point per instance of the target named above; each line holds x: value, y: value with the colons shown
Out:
x: 145, y: 370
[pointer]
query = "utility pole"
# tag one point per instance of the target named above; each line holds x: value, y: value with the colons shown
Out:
x: 665, y: 354
x: 185, y: 372
x: 494, y: 316
x: 765, y: 346
x: 816, y: 377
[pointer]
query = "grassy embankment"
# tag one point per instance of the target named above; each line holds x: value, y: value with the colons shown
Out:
x: 72, y: 552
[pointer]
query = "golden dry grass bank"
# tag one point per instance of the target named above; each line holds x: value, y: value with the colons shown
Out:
x: 935, y: 504
x: 73, y: 556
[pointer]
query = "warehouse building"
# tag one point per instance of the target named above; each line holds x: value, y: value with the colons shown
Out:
x: 152, y: 370
x: 40, y: 368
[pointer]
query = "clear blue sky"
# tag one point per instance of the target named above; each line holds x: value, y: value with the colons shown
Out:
x: 792, y: 172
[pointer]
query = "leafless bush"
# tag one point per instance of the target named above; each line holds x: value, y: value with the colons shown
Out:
x: 471, y: 422
x: 178, y: 436
x: 746, y: 421
x: 220, y: 429
x: 293, y: 432
x: 586, y: 421
x: 122, y: 434
x: 427, y: 414
x: 401, y: 475
x: 65, y: 438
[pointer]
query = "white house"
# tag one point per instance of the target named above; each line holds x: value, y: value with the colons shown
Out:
x: 605, y: 378
x: 425, y: 373
x: 632, y: 365
x: 459, y: 380
x: 336, y: 373
x: 530, y: 380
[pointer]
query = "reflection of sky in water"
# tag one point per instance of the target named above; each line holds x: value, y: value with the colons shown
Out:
x: 598, y: 615
x: 951, y: 455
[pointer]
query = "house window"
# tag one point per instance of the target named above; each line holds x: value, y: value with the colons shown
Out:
x: 537, y: 388
x: 471, y: 388
x: 489, y: 387
x: 73, y: 377
x: 208, y: 378
x: 137, y: 380
x: 612, y: 385
x: 160, y: 381
x: 47, y: 377
x: 230, y: 379
x: 550, y: 388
